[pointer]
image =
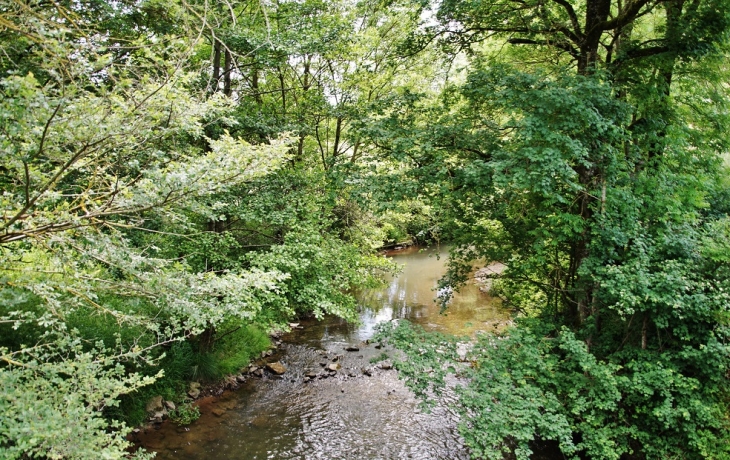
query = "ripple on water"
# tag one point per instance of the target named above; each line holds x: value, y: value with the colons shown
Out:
x: 340, y: 417
x: 335, y: 418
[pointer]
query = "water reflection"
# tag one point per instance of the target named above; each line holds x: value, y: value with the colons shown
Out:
x: 411, y: 295
x: 351, y: 415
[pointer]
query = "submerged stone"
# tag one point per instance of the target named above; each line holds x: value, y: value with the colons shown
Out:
x: 276, y: 368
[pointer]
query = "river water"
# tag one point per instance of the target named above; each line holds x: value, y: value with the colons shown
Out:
x: 362, y: 411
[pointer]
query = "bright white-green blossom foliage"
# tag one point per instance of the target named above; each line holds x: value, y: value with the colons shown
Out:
x: 88, y: 145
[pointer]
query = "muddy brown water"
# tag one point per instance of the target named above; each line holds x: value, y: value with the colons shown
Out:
x: 350, y: 415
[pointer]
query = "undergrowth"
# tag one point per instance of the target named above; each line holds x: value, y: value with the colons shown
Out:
x: 233, y: 348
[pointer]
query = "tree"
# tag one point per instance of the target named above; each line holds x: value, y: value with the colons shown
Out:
x: 589, y: 174
x: 96, y: 132
x: 140, y: 229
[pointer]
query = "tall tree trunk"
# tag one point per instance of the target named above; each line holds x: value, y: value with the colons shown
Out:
x: 283, y: 91
x: 306, y: 77
x: 338, y: 135
x: 217, y: 226
x: 306, y: 84
x: 355, y: 151
x: 665, y: 74
x: 300, y: 147
x: 255, y: 85
x: 216, y: 64
x: 580, y: 291
x: 597, y: 12
x: 227, y: 67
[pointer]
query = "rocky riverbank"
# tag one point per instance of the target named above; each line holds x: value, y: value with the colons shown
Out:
x: 212, y: 398
x: 335, y: 397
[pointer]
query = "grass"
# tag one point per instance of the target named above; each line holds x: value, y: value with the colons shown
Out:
x: 234, y: 346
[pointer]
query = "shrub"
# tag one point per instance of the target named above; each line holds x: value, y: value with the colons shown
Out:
x: 185, y: 414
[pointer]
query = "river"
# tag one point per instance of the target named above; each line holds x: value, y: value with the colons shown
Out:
x: 362, y: 411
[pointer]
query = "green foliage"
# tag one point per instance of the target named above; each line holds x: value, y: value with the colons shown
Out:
x: 155, y: 217
x: 409, y: 221
x: 131, y: 213
x: 292, y: 223
x: 203, y: 367
x: 590, y: 163
x: 185, y: 414
x: 92, y: 141
x: 539, y: 383
x: 178, y: 361
x: 171, y: 384
x: 52, y: 401
x: 321, y: 271
x: 236, y: 345
x: 95, y: 325
x: 429, y: 357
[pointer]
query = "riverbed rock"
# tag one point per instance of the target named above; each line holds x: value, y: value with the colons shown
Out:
x: 311, y: 374
x: 241, y: 378
x: 334, y: 367
x: 352, y: 348
x: 154, y: 404
x: 218, y: 412
x: 386, y: 366
x: 258, y: 372
x: 194, y: 390
x: 169, y: 405
x: 367, y: 371
x: 277, y: 368
x: 485, y: 276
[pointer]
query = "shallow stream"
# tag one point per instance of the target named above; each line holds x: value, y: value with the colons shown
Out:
x: 362, y: 411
